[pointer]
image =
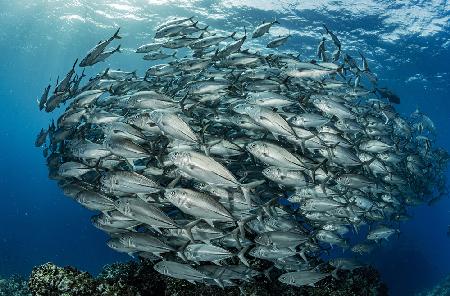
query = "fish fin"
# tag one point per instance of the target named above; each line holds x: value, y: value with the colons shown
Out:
x: 192, y: 282
x: 219, y: 283
x: 217, y: 262
x: 246, y: 190
x: 116, y: 35
x: 188, y: 228
x: 266, y: 273
x: 235, y: 234
x: 209, y: 221
x: 174, y: 182
x: 303, y: 256
x: 143, y: 196
x: 241, y: 256
x: 241, y: 224
x: 157, y: 229
x: 334, y: 274
x: 158, y: 255
x: 130, y: 162
x: 180, y: 251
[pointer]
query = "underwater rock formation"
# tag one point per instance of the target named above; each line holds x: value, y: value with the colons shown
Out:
x: 140, y: 278
x: 48, y: 279
x: 14, y: 286
x: 441, y: 289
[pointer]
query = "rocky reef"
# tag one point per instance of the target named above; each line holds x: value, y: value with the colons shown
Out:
x: 140, y: 279
x: 14, y: 286
x: 441, y: 289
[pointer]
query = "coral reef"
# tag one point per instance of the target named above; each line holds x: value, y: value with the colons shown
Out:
x: 140, y: 279
x: 441, y: 289
x: 14, y: 286
x: 49, y: 279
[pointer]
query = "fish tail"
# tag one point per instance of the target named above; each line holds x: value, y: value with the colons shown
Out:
x: 180, y: 252
x: 266, y: 273
x: 116, y: 35
x: 188, y: 228
x: 246, y: 190
x: 241, y: 256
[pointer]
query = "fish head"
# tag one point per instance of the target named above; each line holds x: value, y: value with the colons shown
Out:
x: 114, y: 243
x: 263, y: 239
x: 179, y: 157
x: 200, y: 186
x: 287, y: 278
x: 123, y: 205
x: 343, y: 180
x: 271, y: 172
x: 254, y: 147
x: 156, y: 116
x: 95, y: 219
x: 126, y: 240
x: 162, y: 268
x: 243, y: 108
x: 83, y: 62
x: 321, y: 235
x: 255, y: 252
x: 175, y: 195
x: 81, y: 197
x: 109, y: 182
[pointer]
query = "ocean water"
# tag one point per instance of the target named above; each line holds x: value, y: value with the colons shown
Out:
x: 407, y: 44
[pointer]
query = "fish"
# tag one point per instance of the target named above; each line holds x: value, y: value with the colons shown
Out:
x: 381, y: 232
x: 128, y: 182
x: 278, y: 42
x: 302, y: 278
x: 336, y: 41
x: 159, y: 55
x: 92, y: 57
x: 172, y: 125
x: 146, y: 48
x: 180, y: 271
x: 388, y: 94
x: 232, y: 154
x: 198, y: 204
x: 41, y: 138
x: 44, y: 97
x: 263, y: 29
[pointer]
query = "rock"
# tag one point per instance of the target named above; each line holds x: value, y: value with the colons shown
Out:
x: 14, y: 286
x: 441, y: 289
x: 49, y: 280
x: 140, y: 279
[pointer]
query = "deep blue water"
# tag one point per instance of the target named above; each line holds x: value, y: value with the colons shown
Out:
x: 407, y: 44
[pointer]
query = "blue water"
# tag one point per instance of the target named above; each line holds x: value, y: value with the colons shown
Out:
x: 407, y: 44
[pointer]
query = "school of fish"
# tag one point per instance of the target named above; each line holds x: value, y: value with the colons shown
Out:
x: 226, y: 160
